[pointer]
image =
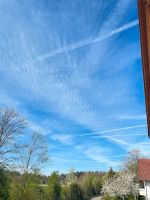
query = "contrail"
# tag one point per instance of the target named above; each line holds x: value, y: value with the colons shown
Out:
x: 120, y: 129
x: 117, y: 135
x: 110, y: 131
x: 87, y: 41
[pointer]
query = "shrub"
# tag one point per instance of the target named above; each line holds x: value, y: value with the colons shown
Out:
x: 107, y: 197
x: 141, y: 197
x: 75, y: 192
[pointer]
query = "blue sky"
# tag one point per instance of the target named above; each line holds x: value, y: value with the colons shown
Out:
x: 73, y: 69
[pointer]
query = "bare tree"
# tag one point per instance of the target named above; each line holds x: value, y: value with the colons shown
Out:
x: 32, y: 155
x: 130, y: 162
x: 12, y: 124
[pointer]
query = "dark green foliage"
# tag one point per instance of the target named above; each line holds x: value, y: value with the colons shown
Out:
x: 107, y: 197
x: 110, y: 173
x: 54, y: 187
x: 141, y: 197
x: 32, y: 189
x: 130, y: 197
x: 76, y: 192
x: 65, y: 192
x: 15, y: 192
x: 91, y: 184
x: 72, y: 192
x: 4, y: 185
x: 86, y: 186
x: 97, y: 185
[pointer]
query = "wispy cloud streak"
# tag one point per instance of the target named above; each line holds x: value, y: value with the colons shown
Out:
x: 86, y: 42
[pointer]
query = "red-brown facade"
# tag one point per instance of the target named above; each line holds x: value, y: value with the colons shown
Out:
x: 144, y: 19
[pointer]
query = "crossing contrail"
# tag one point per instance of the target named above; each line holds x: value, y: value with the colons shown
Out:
x: 86, y: 42
x: 110, y: 131
x: 117, y: 135
x: 118, y: 129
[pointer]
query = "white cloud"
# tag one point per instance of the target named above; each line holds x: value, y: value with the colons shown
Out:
x: 101, y: 155
x: 61, y: 159
x: 38, y: 128
x: 6, y: 100
x: 142, y: 146
x: 132, y: 117
x: 64, y: 139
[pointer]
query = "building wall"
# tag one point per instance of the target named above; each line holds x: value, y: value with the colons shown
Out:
x: 146, y: 190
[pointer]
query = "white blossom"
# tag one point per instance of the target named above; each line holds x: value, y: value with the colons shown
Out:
x: 121, y: 185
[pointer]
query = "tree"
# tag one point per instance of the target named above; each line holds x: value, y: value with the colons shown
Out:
x: 87, y: 185
x: 4, y: 185
x: 75, y: 192
x: 11, y: 126
x: 130, y: 162
x: 65, y: 192
x: 110, y: 173
x: 97, y: 184
x: 72, y: 191
x: 71, y: 177
x: 33, y: 190
x: 121, y: 185
x: 54, y: 187
x: 32, y: 155
x: 15, y: 191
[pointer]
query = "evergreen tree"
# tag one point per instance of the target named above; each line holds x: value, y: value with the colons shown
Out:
x: 110, y: 173
x: 4, y: 185
x: 75, y: 192
x: 54, y: 187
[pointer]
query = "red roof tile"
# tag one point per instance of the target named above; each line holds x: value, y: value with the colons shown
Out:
x: 144, y: 169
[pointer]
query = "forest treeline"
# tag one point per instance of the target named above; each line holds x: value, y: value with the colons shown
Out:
x: 71, y: 186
